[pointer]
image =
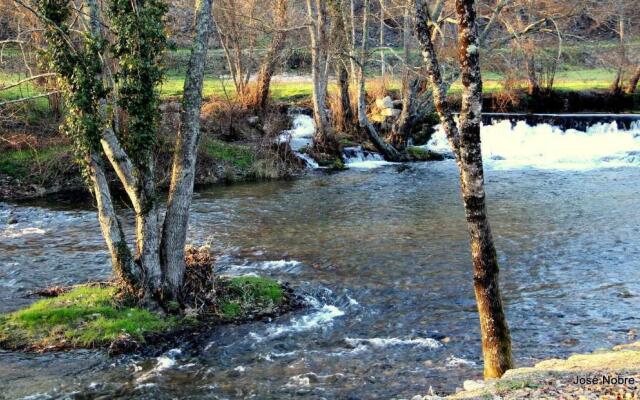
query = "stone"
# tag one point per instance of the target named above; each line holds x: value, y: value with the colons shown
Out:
x: 390, y: 112
x: 384, y: 103
x: 473, y: 385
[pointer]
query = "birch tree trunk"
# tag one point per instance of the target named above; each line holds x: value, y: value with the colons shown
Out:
x: 184, y: 161
x: 465, y: 143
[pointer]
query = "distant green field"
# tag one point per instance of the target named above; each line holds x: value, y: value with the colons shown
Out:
x: 579, y: 79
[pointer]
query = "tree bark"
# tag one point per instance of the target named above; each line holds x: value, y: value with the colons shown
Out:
x: 343, y: 117
x: 184, y: 160
x: 268, y: 67
x: 465, y: 142
x: 124, y: 269
x: 388, y: 151
x: 402, y: 128
x: 633, y: 82
x: 324, y: 140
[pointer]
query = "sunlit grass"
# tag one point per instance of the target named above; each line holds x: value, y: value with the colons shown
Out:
x: 84, y: 317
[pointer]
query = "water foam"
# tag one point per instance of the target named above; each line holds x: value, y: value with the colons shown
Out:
x: 357, y: 157
x: 380, y: 343
x: 514, y: 146
x: 320, y: 318
x: 300, y: 136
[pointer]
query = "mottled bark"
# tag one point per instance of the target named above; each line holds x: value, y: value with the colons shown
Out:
x: 124, y: 269
x: 184, y: 161
x: 132, y: 276
x: 269, y: 63
x: 633, y: 82
x: 465, y: 142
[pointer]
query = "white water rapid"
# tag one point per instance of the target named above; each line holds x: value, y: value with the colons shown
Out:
x: 516, y: 146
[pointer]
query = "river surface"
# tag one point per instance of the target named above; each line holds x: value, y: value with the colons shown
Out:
x: 382, y: 257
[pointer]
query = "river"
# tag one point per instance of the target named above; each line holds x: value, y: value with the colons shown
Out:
x: 382, y: 256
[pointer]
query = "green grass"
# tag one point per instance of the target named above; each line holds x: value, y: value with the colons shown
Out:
x: 20, y: 163
x: 36, y: 106
x: 241, y: 156
x: 419, y: 154
x: 248, y: 295
x: 84, y: 317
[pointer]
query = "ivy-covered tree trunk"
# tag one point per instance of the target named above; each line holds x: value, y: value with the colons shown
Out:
x: 184, y: 160
x: 465, y: 143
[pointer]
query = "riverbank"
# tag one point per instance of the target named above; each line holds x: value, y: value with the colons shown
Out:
x: 604, y: 374
x: 236, y: 146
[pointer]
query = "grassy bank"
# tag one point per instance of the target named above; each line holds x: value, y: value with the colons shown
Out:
x: 94, y: 316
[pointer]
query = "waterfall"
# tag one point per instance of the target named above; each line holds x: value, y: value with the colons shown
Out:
x: 513, y: 146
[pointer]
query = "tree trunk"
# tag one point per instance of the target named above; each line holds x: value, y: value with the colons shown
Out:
x: 633, y: 82
x: 533, y: 86
x: 616, y: 86
x: 124, y: 269
x: 344, y: 102
x: 465, y: 143
x: 267, y: 69
x: 343, y: 116
x: 402, y: 128
x: 324, y: 140
x: 388, y: 152
x: 184, y: 160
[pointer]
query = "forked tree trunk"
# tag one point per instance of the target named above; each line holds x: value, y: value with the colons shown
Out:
x: 388, y: 151
x: 401, y: 129
x: 465, y: 143
x: 633, y: 82
x: 324, y: 140
x: 343, y: 118
x: 268, y: 67
x: 184, y: 160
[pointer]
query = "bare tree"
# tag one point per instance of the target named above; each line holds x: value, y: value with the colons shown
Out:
x: 465, y: 144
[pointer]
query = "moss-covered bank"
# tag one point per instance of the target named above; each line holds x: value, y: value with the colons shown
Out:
x: 616, y: 375
x: 95, y: 316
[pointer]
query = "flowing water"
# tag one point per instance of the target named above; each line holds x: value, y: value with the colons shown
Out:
x: 382, y: 256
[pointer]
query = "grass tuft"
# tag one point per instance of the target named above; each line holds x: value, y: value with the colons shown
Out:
x: 241, y: 156
x: 244, y: 296
x: 85, y: 317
